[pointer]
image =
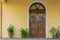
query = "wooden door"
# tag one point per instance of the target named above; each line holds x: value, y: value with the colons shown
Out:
x: 37, y: 22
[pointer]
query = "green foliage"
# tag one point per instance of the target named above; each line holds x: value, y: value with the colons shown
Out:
x: 10, y: 29
x: 58, y: 32
x: 24, y: 33
x: 53, y: 30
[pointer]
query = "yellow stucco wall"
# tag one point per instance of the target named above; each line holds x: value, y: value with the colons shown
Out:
x: 0, y: 20
x: 15, y: 12
x: 2, y: 1
x: 53, y: 7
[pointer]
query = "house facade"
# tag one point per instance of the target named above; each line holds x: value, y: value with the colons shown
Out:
x: 17, y: 13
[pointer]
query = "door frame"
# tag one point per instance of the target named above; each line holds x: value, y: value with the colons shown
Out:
x: 46, y: 16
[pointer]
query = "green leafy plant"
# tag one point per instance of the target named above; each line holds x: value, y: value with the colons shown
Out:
x: 10, y: 31
x: 53, y: 31
x: 24, y: 33
x: 58, y: 32
x: 59, y: 35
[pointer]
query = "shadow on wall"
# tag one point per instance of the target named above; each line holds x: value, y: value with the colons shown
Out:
x: 19, y: 2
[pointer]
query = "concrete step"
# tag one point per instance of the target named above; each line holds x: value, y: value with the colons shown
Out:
x: 27, y: 39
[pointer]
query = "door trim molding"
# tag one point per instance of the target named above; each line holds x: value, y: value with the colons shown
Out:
x: 46, y: 16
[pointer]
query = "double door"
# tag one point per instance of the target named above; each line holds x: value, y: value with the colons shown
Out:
x: 37, y: 24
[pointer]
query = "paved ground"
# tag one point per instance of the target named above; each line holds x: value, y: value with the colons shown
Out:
x: 26, y: 39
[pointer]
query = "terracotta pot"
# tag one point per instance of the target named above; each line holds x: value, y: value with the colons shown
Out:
x: 10, y: 35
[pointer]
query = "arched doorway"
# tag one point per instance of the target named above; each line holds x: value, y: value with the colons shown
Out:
x: 37, y: 20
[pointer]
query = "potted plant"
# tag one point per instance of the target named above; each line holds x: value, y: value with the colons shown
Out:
x: 10, y: 31
x: 53, y: 32
x: 24, y: 33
